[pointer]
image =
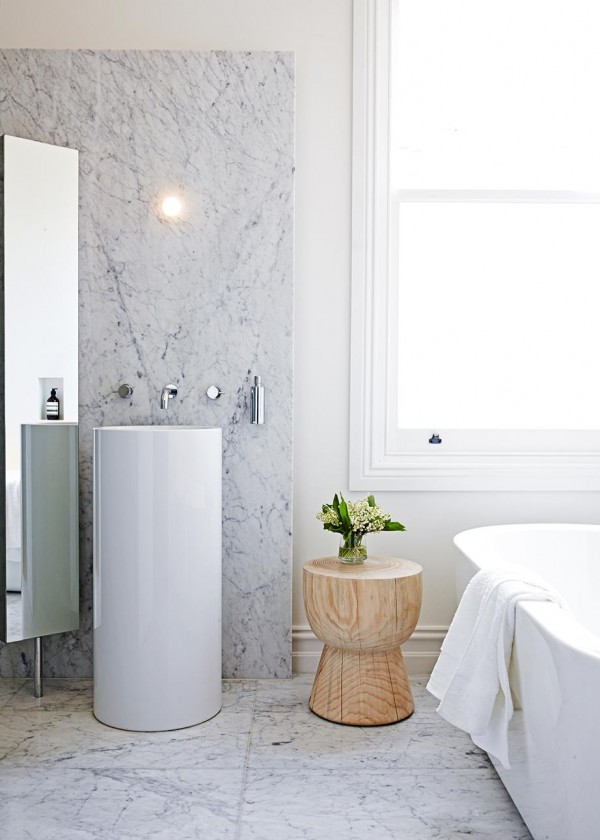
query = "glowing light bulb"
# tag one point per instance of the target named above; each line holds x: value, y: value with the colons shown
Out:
x: 171, y: 206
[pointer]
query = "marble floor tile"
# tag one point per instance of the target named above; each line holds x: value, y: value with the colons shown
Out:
x: 241, y: 693
x: 8, y: 688
x: 289, y: 734
x: 298, y: 805
x: 265, y: 768
x: 66, y: 804
x: 282, y: 695
x: 70, y: 734
x: 59, y: 694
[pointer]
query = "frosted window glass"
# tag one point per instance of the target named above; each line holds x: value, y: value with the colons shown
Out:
x: 499, y: 316
x: 499, y: 95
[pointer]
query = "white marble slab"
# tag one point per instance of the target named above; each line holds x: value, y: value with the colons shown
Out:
x: 303, y: 805
x: 287, y: 735
x: 64, y: 775
x: 107, y: 804
x: 48, y: 731
x: 8, y: 688
x: 302, y: 740
x: 204, y: 300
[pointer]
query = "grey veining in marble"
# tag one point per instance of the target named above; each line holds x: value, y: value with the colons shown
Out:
x: 415, y: 805
x: 205, y: 299
x: 121, y: 804
x: 265, y: 768
x: 75, y: 739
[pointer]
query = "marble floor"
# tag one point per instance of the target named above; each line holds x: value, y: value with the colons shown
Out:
x: 265, y: 768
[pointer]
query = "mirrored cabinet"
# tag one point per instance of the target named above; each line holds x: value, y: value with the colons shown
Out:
x: 39, y: 543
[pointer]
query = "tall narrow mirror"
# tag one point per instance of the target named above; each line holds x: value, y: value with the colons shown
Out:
x: 39, y: 266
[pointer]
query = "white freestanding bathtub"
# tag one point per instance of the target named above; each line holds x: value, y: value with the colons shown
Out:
x: 554, y: 735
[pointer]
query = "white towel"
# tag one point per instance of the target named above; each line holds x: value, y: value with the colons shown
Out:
x: 13, y: 509
x: 471, y: 675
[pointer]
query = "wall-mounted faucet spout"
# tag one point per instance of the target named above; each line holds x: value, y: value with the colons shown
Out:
x: 167, y: 393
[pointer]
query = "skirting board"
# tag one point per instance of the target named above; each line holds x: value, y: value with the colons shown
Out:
x: 420, y: 651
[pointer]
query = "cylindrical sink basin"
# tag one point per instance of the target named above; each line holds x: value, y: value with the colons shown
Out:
x: 157, y: 576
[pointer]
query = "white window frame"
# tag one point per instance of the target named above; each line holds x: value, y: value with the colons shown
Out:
x: 376, y: 462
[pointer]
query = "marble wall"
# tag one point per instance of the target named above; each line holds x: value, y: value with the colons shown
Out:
x: 206, y: 299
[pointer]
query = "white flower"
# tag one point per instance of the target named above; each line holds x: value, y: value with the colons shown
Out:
x: 328, y: 517
x: 366, y: 518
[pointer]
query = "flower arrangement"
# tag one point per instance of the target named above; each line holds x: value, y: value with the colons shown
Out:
x: 352, y: 520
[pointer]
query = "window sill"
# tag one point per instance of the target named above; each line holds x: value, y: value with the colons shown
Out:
x: 554, y: 472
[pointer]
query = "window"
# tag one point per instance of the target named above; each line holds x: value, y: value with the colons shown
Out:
x: 476, y: 255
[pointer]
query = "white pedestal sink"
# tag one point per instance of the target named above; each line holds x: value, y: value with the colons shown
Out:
x: 157, y: 576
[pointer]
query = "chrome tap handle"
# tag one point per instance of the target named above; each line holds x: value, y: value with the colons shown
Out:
x: 167, y: 393
x: 125, y: 391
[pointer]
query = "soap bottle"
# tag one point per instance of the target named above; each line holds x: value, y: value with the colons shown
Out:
x: 52, y: 406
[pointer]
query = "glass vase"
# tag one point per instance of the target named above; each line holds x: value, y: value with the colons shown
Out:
x: 352, y: 550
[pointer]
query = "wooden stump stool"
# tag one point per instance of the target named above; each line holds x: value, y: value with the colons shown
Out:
x: 363, y: 614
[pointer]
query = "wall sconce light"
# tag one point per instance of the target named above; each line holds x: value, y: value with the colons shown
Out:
x: 171, y: 206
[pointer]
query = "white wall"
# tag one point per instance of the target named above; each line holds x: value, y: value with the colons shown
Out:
x: 320, y: 33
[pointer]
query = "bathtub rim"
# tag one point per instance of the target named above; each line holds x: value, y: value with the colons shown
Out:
x: 562, y: 626
x: 525, y: 526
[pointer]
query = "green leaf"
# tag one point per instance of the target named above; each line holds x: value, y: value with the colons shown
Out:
x: 337, y: 529
x: 343, y: 514
x: 371, y: 501
x: 393, y: 526
x: 336, y: 505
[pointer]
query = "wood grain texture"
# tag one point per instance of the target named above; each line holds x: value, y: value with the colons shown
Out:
x: 362, y: 614
x: 368, y: 688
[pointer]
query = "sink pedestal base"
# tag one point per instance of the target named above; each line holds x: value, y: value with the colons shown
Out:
x: 157, y: 576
